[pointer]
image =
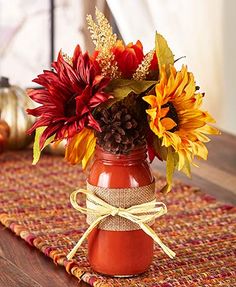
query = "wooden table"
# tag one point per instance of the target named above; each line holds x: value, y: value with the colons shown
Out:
x: 22, y: 265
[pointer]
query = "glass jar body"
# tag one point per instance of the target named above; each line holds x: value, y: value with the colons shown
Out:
x: 120, y: 253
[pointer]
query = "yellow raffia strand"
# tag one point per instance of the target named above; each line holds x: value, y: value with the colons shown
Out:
x: 143, y: 68
x: 104, y: 40
x: 139, y: 214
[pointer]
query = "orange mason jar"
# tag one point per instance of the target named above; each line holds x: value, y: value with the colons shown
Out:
x: 120, y: 253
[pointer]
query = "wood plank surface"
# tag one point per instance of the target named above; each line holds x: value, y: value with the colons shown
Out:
x: 13, y: 276
x: 22, y: 265
x: 32, y: 263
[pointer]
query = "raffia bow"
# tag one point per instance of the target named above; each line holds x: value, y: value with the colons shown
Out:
x: 139, y: 214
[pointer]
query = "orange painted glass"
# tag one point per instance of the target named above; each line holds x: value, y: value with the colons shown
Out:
x: 120, y: 253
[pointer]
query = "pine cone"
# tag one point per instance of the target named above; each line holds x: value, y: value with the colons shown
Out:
x: 137, y: 106
x: 120, y: 130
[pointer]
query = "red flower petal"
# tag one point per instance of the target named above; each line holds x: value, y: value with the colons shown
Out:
x: 42, y: 122
x: 49, y: 131
x: 99, y: 98
x: 128, y: 57
x: 77, y: 53
x: 93, y: 123
x: 69, y: 95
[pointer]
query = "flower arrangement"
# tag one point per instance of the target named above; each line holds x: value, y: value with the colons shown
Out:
x: 121, y: 98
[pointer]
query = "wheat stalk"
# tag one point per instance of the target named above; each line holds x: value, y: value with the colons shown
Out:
x: 143, y: 69
x: 104, y: 40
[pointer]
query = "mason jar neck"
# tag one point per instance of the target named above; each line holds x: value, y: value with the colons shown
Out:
x: 137, y: 154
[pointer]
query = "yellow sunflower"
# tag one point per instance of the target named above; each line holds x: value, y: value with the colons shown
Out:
x: 176, y: 118
x: 81, y: 147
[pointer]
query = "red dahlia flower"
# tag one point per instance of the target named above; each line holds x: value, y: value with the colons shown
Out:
x: 128, y: 57
x: 69, y: 96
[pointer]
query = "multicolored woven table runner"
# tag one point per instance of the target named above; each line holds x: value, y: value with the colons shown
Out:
x: 34, y: 204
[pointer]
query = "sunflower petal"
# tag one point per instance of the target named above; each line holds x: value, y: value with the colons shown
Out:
x: 91, y: 144
x: 151, y: 100
x: 152, y: 113
x: 209, y: 130
x: 81, y: 147
x: 200, y: 150
x: 168, y: 123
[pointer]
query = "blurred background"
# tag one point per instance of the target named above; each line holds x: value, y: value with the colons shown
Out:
x: 33, y: 31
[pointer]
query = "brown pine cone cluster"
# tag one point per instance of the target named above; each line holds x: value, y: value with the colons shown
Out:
x: 120, y: 130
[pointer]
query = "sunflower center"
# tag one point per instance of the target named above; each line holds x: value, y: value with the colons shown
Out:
x: 172, y: 113
x: 70, y: 107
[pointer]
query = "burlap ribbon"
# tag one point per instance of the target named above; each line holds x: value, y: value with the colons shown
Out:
x: 123, y: 198
x: 141, y: 215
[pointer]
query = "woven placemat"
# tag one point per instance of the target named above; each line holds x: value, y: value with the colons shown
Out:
x: 34, y: 204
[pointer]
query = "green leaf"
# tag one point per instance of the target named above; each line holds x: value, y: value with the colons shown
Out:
x: 121, y: 88
x: 159, y: 148
x: 171, y: 162
x: 163, y: 52
x: 36, y: 148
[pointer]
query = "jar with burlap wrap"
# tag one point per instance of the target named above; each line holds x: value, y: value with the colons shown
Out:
x: 118, y: 246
